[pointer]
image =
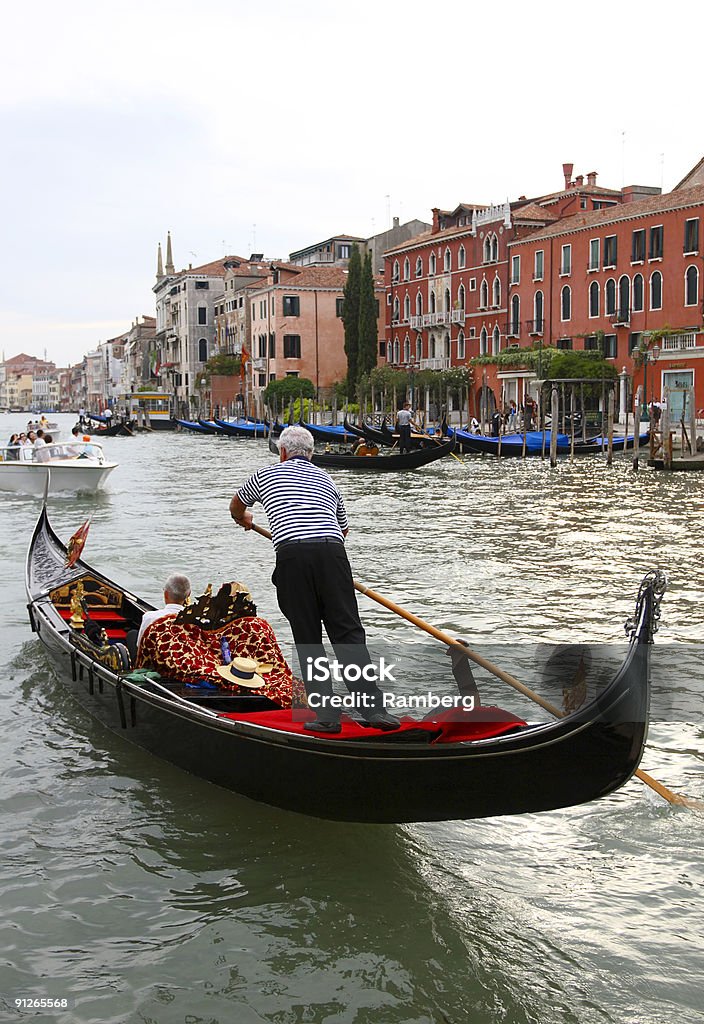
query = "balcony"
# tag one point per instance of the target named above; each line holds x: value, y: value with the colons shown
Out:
x: 435, y: 364
x: 536, y: 326
x: 677, y: 342
x: 622, y: 318
x: 512, y: 330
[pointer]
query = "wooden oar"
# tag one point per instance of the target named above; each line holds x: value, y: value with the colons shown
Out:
x: 506, y: 677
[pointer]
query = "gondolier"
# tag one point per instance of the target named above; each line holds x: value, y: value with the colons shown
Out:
x: 404, y: 422
x: 313, y: 577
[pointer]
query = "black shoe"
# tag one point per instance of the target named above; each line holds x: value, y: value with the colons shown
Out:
x: 381, y: 720
x: 318, y: 726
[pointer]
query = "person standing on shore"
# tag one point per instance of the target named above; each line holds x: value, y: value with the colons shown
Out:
x: 313, y: 579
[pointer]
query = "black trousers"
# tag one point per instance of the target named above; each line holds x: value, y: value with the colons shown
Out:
x: 314, y: 587
x: 404, y: 438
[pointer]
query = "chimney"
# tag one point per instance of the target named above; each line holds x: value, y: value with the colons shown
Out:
x: 591, y: 178
x: 395, y: 222
x: 579, y: 180
x: 567, y: 171
x: 436, y: 219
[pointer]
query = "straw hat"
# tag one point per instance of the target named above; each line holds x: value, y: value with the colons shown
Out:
x: 244, y: 672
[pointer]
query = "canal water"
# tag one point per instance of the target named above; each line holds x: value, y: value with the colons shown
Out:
x: 138, y: 893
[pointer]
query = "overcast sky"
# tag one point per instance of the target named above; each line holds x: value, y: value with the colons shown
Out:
x: 249, y: 127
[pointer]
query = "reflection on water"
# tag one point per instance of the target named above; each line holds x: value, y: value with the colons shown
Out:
x: 146, y: 894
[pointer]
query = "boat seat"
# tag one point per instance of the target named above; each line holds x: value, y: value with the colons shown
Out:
x: 446, y: 727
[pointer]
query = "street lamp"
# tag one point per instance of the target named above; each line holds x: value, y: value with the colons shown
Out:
x: 649, y: 356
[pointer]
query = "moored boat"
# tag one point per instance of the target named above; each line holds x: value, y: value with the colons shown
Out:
x: 422, y: 772
x: 513, y: 444
x: 384, y: 463
x: 242, y: 428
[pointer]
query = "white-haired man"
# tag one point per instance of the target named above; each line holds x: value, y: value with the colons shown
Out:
x: 177, y: 590
x: 313, y: 579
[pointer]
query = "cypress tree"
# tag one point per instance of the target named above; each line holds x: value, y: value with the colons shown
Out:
x: 350, y: 318
x: 367, y: 321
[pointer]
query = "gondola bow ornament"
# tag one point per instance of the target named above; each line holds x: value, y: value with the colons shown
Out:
x: 76, y: 544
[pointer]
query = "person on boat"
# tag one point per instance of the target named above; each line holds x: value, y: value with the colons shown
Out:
x: 177, y: 590
x: 43, y: 422
x: 107, y: 413
x: 13, y: 447
x: 313, y: 579
x: 404, y: 422
x: 475, y: 426
x: 512, y: 416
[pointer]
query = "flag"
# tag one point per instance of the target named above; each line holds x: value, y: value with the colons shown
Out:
x: 243, y: 361
x: 76, y: 544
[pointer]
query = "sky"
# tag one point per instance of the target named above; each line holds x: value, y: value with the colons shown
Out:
x: 244, y: 127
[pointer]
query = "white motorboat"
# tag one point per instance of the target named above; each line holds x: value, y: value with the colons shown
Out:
x: 79, y: 466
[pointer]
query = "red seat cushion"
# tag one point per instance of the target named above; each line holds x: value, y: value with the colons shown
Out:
x: 453, y: 725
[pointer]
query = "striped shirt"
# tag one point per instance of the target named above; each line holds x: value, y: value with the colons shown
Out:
x: 300, y: 501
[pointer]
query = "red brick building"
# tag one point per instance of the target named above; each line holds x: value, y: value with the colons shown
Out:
x: 622, y: 279
x: 448, y: 291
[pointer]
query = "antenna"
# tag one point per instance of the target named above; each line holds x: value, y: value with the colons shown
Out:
x: 662, y: 170
x: 623, y: 157
x: 388, y: 211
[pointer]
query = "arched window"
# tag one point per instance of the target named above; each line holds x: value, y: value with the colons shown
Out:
x: 419, y: 304
x: 431, y: 264
x: 460, y: 345
x: 638, y: 293
x: 406, y: 269
x: 656, y: 290
x: 624, y: 299
x: 419, y: 267
x: 496, y: 292
x: 419, y: 348
x: 691, y: 287
x: 447, y: 346
x: 396, y: 350
x: 538, y: 312
x: 448, y: 303
x: 203, y: 350
x: 610, y: 297
x: 515, y: 315
x: 396, y: 315
x: 395, y: 273
x: 406, y: 349
x: 448, y: 260
x: 566, y: 303
x: 462, y: 257
x: 407, y: 307
x: 460, y: 297
x: 487, y: 249
x: 594, y: 298
x: 432, y: 346
x: 483, y: 340
x: 494, y: 249
x: 431, y: 301
x: 484, y: 295
x: 496, y: 341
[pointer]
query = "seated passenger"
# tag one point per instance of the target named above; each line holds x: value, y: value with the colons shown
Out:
x: 192, y: 646
x: 176, y: 591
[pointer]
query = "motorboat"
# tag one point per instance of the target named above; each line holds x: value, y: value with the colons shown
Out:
x: 79, y: 466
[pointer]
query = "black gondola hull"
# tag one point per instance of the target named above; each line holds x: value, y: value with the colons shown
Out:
x: 565, y: 762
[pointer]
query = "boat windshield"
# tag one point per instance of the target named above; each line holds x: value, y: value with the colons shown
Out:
x: 76, y: 450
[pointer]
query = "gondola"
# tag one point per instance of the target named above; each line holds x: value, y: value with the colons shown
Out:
x: 116, y: 430
x: 512, y: 444
x: 242, y: 429
x: 378, y: 463
x: 329, y: 434
x: 196, y: 428
x: 390, y: 439
x: 416, y: 774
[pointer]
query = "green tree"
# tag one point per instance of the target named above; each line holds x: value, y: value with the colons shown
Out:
x: 350, y: 317
x: 279, y: 392
x: 367, y: 321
